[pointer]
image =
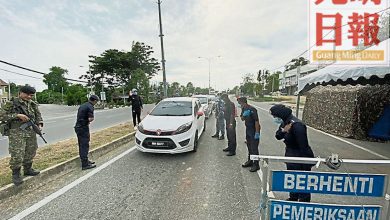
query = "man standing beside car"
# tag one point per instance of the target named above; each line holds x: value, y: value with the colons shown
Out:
x: 85, y: 116
x: 230, y: 114
x: 136, y: 107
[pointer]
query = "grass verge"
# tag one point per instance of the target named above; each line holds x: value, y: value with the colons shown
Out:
x: 56, y: 153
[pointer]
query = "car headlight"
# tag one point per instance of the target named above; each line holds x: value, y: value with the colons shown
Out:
x: 184, y: 128
x: 141, y: 128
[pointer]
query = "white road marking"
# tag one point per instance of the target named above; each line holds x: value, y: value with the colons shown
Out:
x: 66, y: 188
x: 340, y: 139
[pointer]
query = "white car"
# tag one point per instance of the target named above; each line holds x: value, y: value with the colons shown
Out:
x: 173, y: 126
x: 206, y: 104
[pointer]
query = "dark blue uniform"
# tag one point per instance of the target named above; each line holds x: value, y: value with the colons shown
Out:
x: 85, y: 112
x: 297, y: 145
x: 136, y: 106
x: 250, y: 121
x: 229, y: 114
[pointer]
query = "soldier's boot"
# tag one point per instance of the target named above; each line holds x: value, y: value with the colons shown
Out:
x: 222, y: 137
x: 17, y: 178
x: 255, y: 166
x: 29, y: 171
x: 215, y: 136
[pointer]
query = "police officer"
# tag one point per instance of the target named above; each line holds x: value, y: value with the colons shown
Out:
x: 230, y: 114
x: 219, y: 115
x: 22, y: 143
x: 251, y: 118
x: 136, y: 106
x: 293, y: 132
x: 85, y: 116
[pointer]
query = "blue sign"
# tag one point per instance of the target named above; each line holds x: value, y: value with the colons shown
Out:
x: 304, y: 211
x: 329, y: 183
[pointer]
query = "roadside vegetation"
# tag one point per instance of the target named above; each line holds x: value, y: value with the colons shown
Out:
x: 56, y: 153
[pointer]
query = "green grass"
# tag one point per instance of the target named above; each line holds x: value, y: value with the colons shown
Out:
x: 59, y: 152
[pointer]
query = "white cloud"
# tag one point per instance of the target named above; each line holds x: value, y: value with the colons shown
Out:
x: 249, y: 35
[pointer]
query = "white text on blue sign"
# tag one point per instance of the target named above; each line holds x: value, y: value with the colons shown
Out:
x: 281, y: 210
x: 329, y: 183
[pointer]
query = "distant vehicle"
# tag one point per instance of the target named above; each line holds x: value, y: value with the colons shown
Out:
x: 206, y: 104
x: 173, y: 126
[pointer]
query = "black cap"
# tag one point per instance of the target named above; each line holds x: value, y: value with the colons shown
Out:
x: 27, y: 89
x: 94, y: 98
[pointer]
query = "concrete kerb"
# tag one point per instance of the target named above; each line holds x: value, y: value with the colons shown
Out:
x: 61, y: 169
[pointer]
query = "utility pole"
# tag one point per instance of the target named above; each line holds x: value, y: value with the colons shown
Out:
x: 162, y: 50
x: 62, y: 95
x: 9, y: 90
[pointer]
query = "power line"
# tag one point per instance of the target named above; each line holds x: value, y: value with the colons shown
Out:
x: 35, y: 71
x: 19, y: 74
x: 381, y: 11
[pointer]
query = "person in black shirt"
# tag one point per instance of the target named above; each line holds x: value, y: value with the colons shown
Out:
x: 230, y: 114
x: 294, y: 133
x: 251, y: 118
x: 84, y: 117
x: 136, y: 106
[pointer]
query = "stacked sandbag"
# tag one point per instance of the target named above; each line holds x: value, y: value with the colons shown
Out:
x: 347, y: 111
x: 370, y: 107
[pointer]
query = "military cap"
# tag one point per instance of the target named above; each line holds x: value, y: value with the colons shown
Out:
x: 94, y: 98
x: 27, y: 89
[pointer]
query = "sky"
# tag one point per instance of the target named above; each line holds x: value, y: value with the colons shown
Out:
x: 248, y: 35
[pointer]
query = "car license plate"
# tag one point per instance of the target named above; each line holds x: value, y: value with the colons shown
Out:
x: 159, y: 144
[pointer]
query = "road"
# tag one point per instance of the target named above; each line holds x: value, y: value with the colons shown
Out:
x: 202, y: 185
x: 59, y: 122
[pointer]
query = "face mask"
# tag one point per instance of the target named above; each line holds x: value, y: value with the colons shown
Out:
x: 278, y: 121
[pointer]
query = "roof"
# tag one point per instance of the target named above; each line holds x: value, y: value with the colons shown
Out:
x: 304, y: 69
x: 2, y: 83
x: 188, y: 99
x: 346, y: 75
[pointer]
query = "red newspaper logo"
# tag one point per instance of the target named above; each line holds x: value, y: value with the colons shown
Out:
x: 344, y: 2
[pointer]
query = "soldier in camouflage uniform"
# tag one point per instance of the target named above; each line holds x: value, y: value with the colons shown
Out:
x: 22, y: 143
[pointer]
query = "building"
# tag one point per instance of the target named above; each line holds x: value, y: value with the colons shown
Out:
x: 3, y: 92
x: 288, y: 80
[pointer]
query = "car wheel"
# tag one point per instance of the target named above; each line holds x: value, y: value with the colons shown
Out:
x: 195, y: 142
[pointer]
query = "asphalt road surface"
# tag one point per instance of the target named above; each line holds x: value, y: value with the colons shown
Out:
x: 202, y: 185
x: 59, y: 122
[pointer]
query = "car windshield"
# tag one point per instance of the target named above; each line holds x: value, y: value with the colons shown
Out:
x: 203, y: 100
x: 173, y: 108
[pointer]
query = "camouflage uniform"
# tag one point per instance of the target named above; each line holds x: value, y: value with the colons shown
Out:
x: 22, y: 144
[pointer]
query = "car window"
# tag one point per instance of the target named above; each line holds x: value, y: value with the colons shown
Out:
x: 173, y: 108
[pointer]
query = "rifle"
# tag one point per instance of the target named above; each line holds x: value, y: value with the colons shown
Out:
x: 29, y: 123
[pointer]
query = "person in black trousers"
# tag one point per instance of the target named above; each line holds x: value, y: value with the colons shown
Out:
x: 252, y: 137
x: 136, y: 107
x: 230, y: 114
x: 294, y: 133
x: 85, y: 116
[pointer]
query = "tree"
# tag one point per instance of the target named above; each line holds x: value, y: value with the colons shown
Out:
x: 76, y: 95
x: 190, y: 88
x: 294, y: 63
x: 55, y: 79
x: 123, y: 68
x: 248, y: 85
